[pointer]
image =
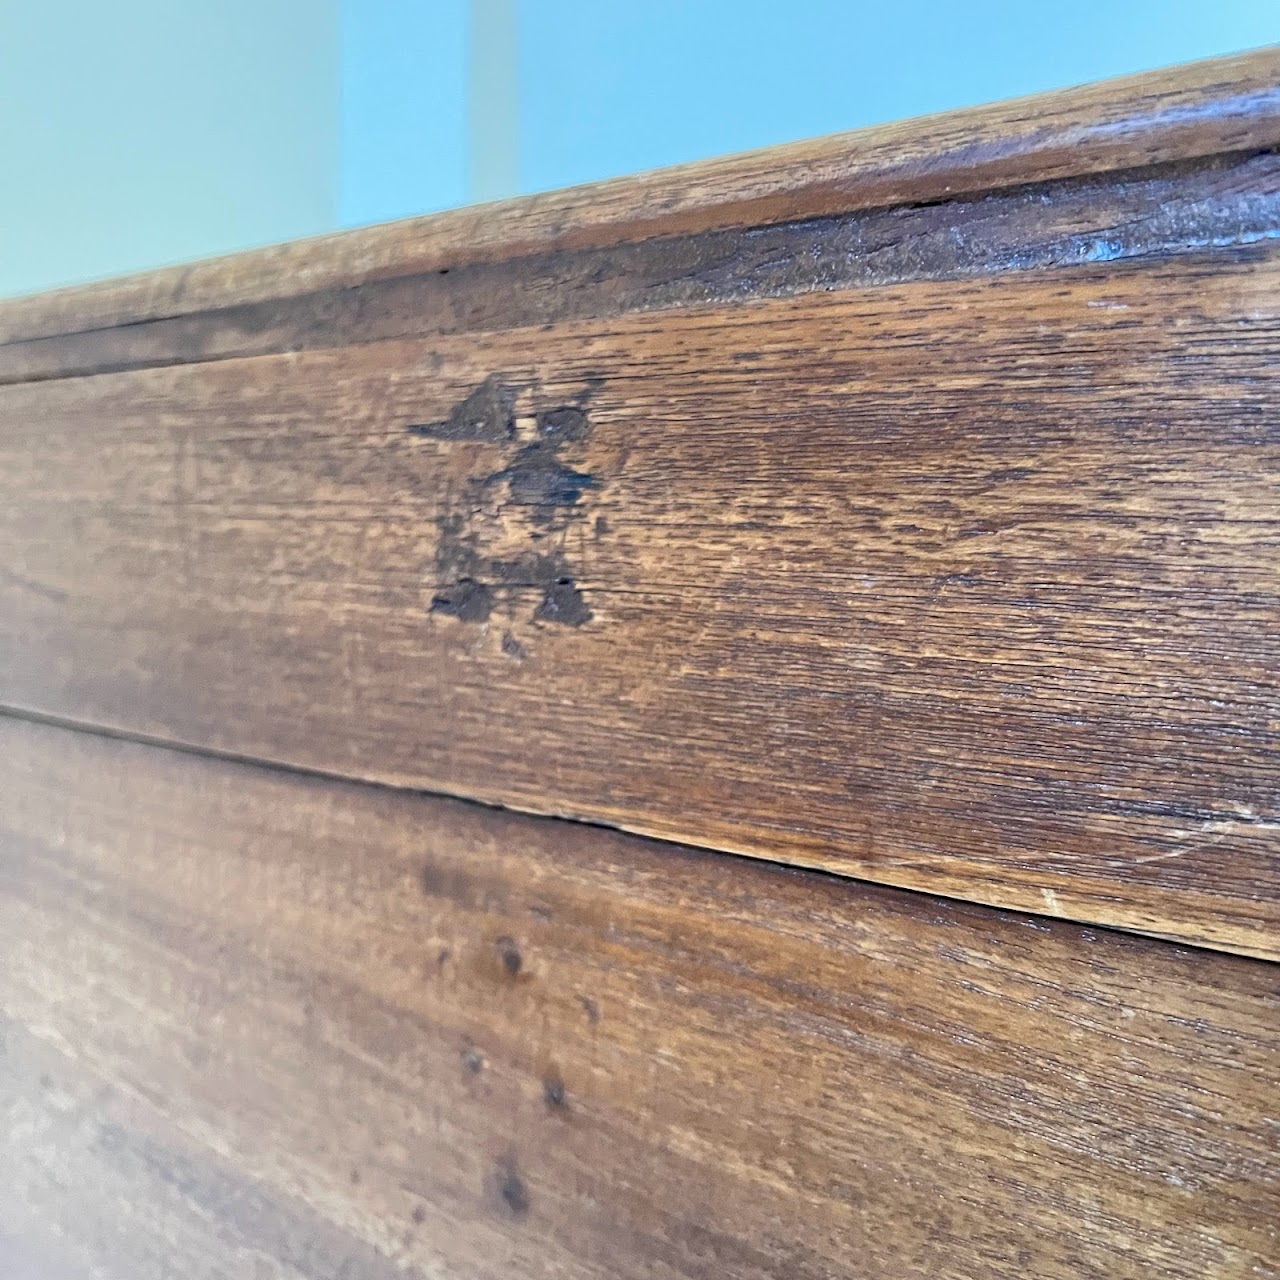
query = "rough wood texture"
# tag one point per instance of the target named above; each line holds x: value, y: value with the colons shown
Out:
x: 1208, y: 108
x: 255, y: 1024
x: 967, y: 586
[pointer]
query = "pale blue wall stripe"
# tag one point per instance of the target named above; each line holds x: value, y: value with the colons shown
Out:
x: 493, y: 101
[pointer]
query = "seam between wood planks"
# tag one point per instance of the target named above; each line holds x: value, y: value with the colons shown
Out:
x: 833, y: 877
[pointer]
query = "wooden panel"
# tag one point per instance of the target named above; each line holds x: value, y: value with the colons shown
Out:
x: 1204, y: 109
x: 967, y: 586
x: 262, y: 1024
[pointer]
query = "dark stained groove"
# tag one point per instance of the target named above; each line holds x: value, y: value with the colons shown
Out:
x: 1227, y: 201
x: 511, y: 962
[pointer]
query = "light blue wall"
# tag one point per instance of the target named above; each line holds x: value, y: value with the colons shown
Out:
x: 404, y: 116
x: 612, y: 88
x: 135, y: 133
x: 493, y: 100
x: 430, y: 101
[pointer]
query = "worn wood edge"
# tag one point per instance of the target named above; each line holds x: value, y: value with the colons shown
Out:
x: 1228, y: 200
x: 1063, y: 902
x: 1204, y: 108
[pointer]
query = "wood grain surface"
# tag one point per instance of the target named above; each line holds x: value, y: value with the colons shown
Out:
x: 964, y: 585
x: 258, y: 1024
x: 1183, y: 113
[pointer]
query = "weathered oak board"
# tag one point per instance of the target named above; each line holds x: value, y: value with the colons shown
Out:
x: 967, y: 585
x: 258, y: 1024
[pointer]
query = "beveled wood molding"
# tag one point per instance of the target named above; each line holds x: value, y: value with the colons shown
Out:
x: 1181, y: 113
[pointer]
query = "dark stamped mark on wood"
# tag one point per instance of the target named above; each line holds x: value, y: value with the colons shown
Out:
x: 564, y: 603
x: 467, y: 600
x: 504, y: 537
x: 537, y: 479
x: 487, y: 414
